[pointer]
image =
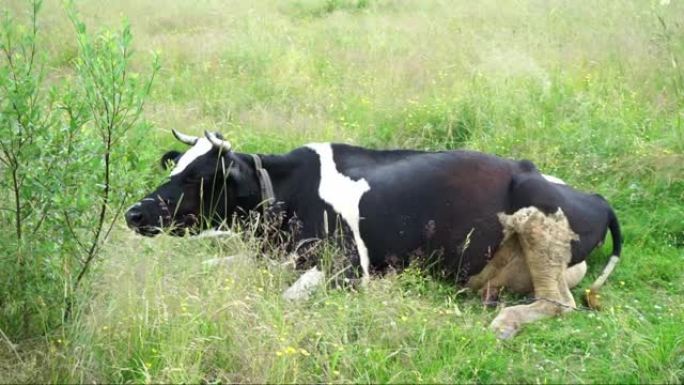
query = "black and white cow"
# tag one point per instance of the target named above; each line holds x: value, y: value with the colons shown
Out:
x: 391, y: 203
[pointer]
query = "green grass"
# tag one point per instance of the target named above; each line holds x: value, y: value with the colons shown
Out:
x: 592, y: 92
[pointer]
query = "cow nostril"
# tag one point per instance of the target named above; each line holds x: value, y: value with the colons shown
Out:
x: 134, y: 216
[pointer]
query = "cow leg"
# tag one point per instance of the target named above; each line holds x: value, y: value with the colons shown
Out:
x: 305, y: 285
x: 545, y: 240
x: 575, y: 274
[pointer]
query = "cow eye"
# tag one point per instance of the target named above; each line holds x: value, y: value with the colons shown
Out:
x: 192, y: 182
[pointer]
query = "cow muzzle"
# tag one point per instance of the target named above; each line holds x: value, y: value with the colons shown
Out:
x: 151, y: 217
x: 137, y: 221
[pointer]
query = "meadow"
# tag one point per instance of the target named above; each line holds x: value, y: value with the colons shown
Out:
x: 591, y: 92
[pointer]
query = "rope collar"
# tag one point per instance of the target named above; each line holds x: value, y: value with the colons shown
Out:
x: 265, y: 184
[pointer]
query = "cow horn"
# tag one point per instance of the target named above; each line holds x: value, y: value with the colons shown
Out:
x: 220, y: 143
x: 187, y: 139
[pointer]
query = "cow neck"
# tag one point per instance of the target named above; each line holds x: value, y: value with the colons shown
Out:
x: 265, y: 183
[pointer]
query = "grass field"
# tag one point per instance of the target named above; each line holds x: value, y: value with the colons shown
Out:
x: 592, y: 92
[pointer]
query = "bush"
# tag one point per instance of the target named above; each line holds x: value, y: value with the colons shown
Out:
x: 63, y: 166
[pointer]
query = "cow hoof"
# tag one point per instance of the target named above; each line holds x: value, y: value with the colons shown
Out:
x: 305, y: 285
x: 295, y: 295
x: 365, y: 281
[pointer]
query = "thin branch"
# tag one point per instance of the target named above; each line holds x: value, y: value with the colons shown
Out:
x: 45, y: 211
x: 7, y: 160
x: 70, y: 227
x: 8, y: 53
x: 17, y: 204
x: 100, y: 223
x: 34, y: 16
x: 96, y: 239
x: 117, y: 213
x: 11, y: 345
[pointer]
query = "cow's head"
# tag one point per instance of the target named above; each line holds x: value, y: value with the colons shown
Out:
x: 203, y: 189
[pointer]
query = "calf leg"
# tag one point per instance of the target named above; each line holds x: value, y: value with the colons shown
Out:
x: 515, y: 278
x: 508, y: 251
x: 545, y: 241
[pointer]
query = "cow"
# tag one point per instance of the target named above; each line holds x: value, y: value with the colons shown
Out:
x: 463, y: 209
x: 509, y: 271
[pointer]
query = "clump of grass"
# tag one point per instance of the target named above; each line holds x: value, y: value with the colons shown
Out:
x: 163, y: 316
x: 321, y: 8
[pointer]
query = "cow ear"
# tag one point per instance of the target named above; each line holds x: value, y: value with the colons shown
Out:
x: 240, y: 175
x: 169, y: 160
x: 242, y: 183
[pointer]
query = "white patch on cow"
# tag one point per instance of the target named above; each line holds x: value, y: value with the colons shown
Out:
x: 213, y: 233
x: 344, y: 195
x: 200, y: 148
x: 222, y: 261
x: 553, y: 179
x: 614, y: 259
x: 139, y: 204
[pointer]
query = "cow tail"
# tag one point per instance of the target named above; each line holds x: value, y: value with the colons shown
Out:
x: 592, y: 293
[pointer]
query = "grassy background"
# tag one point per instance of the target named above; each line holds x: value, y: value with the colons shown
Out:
x: 592, y: 92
